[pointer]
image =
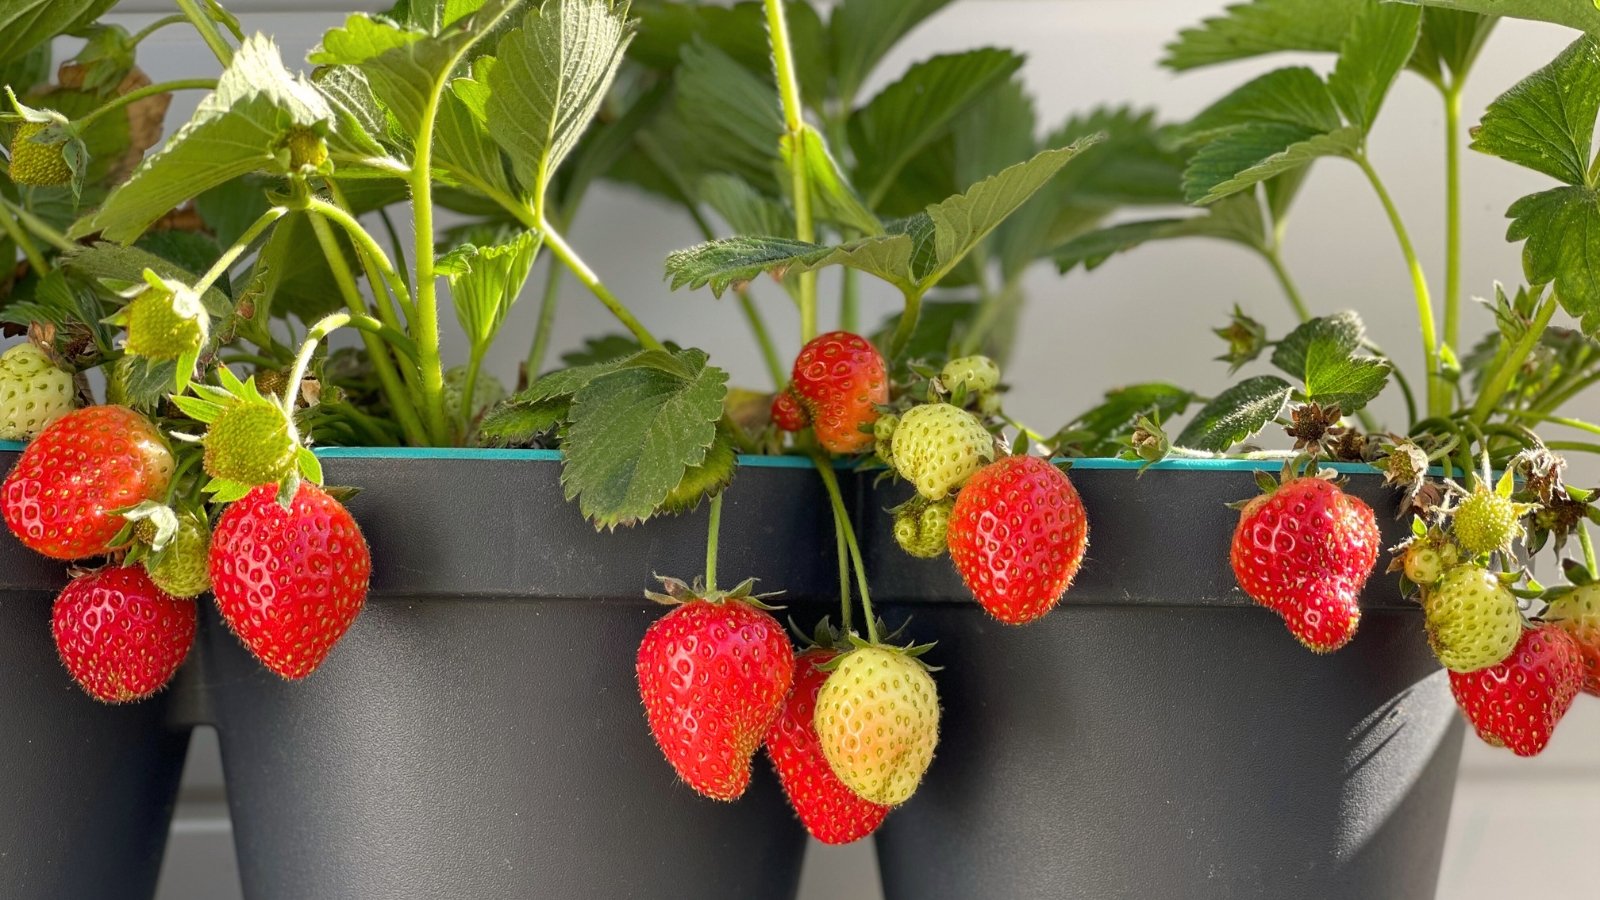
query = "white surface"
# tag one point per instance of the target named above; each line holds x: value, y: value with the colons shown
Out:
x: 1138, y: 317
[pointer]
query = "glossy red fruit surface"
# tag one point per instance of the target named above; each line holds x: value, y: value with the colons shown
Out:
x: 120, y: 636
x: 1518, y: 703
x: 841, y: 380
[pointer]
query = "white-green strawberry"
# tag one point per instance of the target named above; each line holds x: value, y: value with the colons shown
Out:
x: 978, y: 374
x: 937, y: 447
x: 33, y: 393
x: 877, y: 720
x: 1472, y: 618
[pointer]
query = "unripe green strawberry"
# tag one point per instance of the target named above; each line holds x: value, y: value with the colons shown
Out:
x: 878, y: 722
x: 1472, y: 618
x: 921, y: 530
x: 937, y: 447
x: 306, y: 148
x: 1425, y: 562
x: 33, y: 393
x: 164, y: 323
x: 1578, y: 614
x: 977, y: 374
x: 180, y: 568
x: 250, y: 443
x: 883, y: 432
x: 36, y: 164
x: 989, y: 403
x: 1486, y: 521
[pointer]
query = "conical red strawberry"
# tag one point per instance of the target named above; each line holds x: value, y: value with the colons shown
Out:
x: 1518, y: 703
x: 1017, y: 535
x: 289, y: 582
x: 1305, y: 551
x: 832, y: 812
x: 120, y: 636
x: 840, y: 381
x: 713, y: 675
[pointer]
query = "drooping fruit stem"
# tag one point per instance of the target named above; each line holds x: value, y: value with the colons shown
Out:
x: 843, y: 553
x: 149, y: 90
x: 232, y: 254
x: 36, y: 260
x: 841, y: 518
x: 713, y: 531
x: 569, y: 257
x: 326, y: 326
x: 794, y: 135
x: 908, y: 323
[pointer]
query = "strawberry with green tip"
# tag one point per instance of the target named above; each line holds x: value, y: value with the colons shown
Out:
x: 1472, y: 619
x: 64, y: 495
x: 830, y: 811
x: 839, y: 381
x: 921, y: 529
x: 1577, y: 612
x: 1305, y: 550
x: 289, y: 582
x: 119, y: 635
x: 33, y: 392
x: 1018, y: 533
x: 1518, y: 703
x: 713, y: 675
x: 877, y: 720
x: 938, y: 446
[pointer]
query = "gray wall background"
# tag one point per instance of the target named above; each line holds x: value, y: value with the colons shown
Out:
x: 1138, y: 317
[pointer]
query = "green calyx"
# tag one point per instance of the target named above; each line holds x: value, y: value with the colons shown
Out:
x: 179, y: 568
x: 251, y: 443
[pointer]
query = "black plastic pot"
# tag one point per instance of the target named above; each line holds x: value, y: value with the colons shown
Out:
x: 478, y: 732
x: 1160, y: 736
x: 87, y: 790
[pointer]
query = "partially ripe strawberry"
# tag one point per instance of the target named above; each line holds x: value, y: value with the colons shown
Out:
x: 787, y: 413
x: 33, y: 393
x: 120, y: 636
x: 840, y: 380
x: 1518, y: 703
x: 937, y: 447
x: 978, y: 374
x: 1305, y: 551
x: 62, y: 498
x: 713, y: 675
x: 1472, y: 618
x: 828, y: 809
x: 877, y: 720
x: 37, y: 164
x: 251, y: 443
x: 1578, y: 614
x: 1017, y: 535
x: 289, y: 582
x: 1485, y: 521
x: 922, y: 529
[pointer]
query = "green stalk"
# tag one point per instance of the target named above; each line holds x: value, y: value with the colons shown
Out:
x: 758, y: 327
x: 1587, y: 544
x: 713, y: 530
x: 380, y: 271
x: 231, y: 255
x: 149, y: 90
x: 547, y: 318
x: 849, y: 299
x: 1452, y: 214
x: 208, y: 30
x: 426, y: 324
x: 470, y: 387
x: 1577, y: 424
x: 1274, y: 258
x: 1578, y: 446
x: 1496, y: 386
x: 399, y: 397
x: 38, y: 227
x: 842, y: 518
x: 1568, y: 392
x: 843, y: 553
x: 569, y: 257
x: 1437, y: 390
x: 794, y: 125
x: 324, y: 327
x: 36, y: 259
x: 153, y: 27
x: 908, y: 323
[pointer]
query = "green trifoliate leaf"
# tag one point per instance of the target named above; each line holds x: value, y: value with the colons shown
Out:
x: 1546, y: 122
x: 550, y: 75
x: 861, y: 32
x: 1583, y: 15
x: 1450, y: 43
x: 1243, y: 157
x: 734, y: 261
x: 745, y: 209
x: 519, y: 423
x: 1343, y: 330
x: 1373, y: 52
x: 238, y: 129
x: 833, y: 197
x: 1236, y: 218
x: 26, y: 24
x: 636, y: 431
x: 1326, y: 355
x: 900, y: 122
x: 1261, y: 27
x: 1562, y: 230
x: 486, y: 281
x: 1236, y: 414
x: 1295, y: 96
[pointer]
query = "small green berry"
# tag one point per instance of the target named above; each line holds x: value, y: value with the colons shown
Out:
x: 883, y: 433
x: 250, y: 443
x: 1486, y: 521
x: 1424, y: 564
x: 180, y: 568
x: 36, y: 164
x: 977, y: 374
x: 33, y: 393
x: 162, y: 325
x: 920, y: 530
x: 1472, y: 618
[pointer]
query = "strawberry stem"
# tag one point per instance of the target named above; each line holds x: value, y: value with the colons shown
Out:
x: 841, y: 519
x: 149, y: 90
x: 795, y: 136
x: 208, y: 30
x: 232, y: 254
x: 843, y: 553
x: 20, y: 237
x: 713, y: 530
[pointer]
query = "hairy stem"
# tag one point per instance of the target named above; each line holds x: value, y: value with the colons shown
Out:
x: 1587, y: 543
x: 1274, y: 258
x: 908, y: 324
x: 794, y: 127
x: 841, y: 516
x: 841, y: 550
x: 232, y: 254
x: 849, y: 299
x: 569, y: 257
x: 153, y: 27
x: 1500, y: 380
x: 324, y: 327
x: 547, y: 317
x: 1452, y: 214
x: 36, y: 260
x: 426, y: 284
x: 758, y: 327
x: 208, y: 30
x: 149, y: 90
x: 1437, y: 391
x: 713, y: 531
x: 37, y: 226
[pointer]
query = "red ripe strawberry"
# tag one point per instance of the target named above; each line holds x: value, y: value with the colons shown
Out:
x: 787, y: 413
x: 1017, y: 536
x: 119, y: 635
x: 840, y: 380
x: 713, y: 675
x: 289, y: 582
x: 832, y: 812
x: 61, y: 498
x: 1518, y: 703
x: 1304, y: 551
